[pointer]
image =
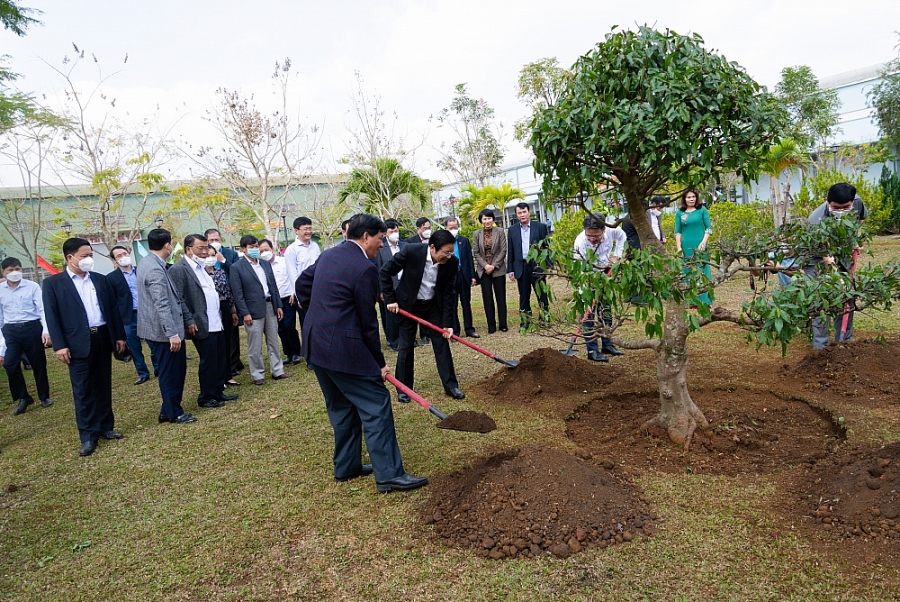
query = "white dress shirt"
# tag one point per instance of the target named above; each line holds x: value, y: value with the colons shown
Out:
x: 213, y: 314
x: 612, y: 244
x: 21, y: 304
x: 299, y: 256
x: 429, y: 278
x: 282, y: 279
x: 88, y: 294
x: 526, y: 239
x: 261, y: 275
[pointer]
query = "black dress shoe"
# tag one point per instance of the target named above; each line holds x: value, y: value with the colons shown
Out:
x: 184, y: 419
x: 473, y: 335
x: 596, y: 356
x: 142, y: 380
x: 156, y: 373
x: 403, y: 398
x: 504, y: 330
x: 297, y: 359
x: 163, y: 419
x: 404, y: 482
x: 610, y: 349
x: 455, y: 393
x: 225, y: 397
x: 112, y: 435
x: 23, y: 405
x: 87, y: 448
x: 366, y: 471
x: 211, y: 403
x: 394, y: 348
x: 46, y: 403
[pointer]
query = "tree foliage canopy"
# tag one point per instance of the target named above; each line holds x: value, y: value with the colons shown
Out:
x: 813, y: 112
x: 387, y: 189
x: 476, y: 154
x: 885, y: 99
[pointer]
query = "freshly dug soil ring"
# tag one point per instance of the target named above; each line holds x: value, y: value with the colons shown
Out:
x: 468, y: 421
x: 751, y: 432
x: 531, y: 502
x: 546, y: 377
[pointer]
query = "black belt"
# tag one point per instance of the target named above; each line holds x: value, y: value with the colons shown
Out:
x: 96, y: 329
x: 424, y: 301
x: 21, y: 324
x: 268, y: 299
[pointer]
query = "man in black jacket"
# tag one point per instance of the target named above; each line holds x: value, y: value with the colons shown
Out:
x: 227, y: 258
x: 426, y: 291
x: 465, y: 279
x: 523, y: 235
x: 392, y: 246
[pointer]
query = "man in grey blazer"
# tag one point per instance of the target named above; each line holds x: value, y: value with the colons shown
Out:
x: 202, y: 301
x: 259, y: 306
x: 162, y: 322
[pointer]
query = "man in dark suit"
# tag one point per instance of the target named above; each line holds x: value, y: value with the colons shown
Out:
x: 124, y: 284
x: 521, y: 237
x: 392, y: 246
x: 426, y: 290
x: 198, y: 291
x: 465, y: 279
x: 259, y: 306
x: 342, y: 346
x: 423, y: 232
x: 85, y: 325
x: 226, y: 258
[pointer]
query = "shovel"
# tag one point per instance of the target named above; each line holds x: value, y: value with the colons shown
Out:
x: 570, y: 349
x: 466, y: 421
x: 496, y: 358
x: 415, y: 396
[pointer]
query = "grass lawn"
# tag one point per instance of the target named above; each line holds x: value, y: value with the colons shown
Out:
x: 242, y: 504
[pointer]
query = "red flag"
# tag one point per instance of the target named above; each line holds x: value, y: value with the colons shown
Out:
x: 46, y: 265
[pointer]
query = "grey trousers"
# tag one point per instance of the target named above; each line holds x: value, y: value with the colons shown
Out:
x: 820, y: 326
x: 269, y: 327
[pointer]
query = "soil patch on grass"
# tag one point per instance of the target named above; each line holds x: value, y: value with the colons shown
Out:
x: 471, y: 422
x: 546, y: 378
x: 534, y: 501
x: 751, y: 432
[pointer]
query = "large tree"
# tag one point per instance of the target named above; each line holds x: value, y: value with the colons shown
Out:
x: 14, y: 105
x: 885, y: 99
x: 540, y: 84
x: 475, y: 156
x: 813, y: 112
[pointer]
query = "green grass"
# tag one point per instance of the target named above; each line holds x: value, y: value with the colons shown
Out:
x: 242, y: 505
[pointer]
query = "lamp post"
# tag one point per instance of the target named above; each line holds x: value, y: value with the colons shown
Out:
x: 159, y: 221
x: 284, y: 224
x: 66, y: 227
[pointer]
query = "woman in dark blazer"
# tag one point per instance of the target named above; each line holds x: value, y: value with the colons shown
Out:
x: 490, y: 263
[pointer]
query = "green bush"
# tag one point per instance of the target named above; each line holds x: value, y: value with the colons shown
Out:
x: 566, y: 228
x: 814, y: 189
x: 731, y: 221
x: 890, y: 186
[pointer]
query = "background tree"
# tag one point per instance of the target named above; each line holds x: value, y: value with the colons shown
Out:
x: 14, y: 105
x: 266, y: 160
x: 884, y: 97
x: 813, y: 112
x: 644, y: 108
x: 476, y: 154
x: 478, y: 199
x: 786, y: 155
x: 205, y: 199
x: 540, y: 84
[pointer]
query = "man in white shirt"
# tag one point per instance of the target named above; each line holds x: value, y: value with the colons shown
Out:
x: 601, y: 246
x: 392, y: 246
x: 287, y: 327
x: 299, y: 255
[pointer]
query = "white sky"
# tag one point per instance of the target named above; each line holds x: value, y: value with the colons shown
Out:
x: 411, y: 53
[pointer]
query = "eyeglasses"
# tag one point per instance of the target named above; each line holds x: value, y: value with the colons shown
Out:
x: 443, y: 253
x: 199, y: 250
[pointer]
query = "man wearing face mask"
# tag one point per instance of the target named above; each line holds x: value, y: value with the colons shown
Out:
x: 841, y: 200
x: 258, y: 304
x: 164, y: 321
x: 299, y: 255
x: 24, y: 332
x: 225, y: 258
x: 287, y: 326
x: 198, y: 291
x: 423, y: 232
x: 465, y: 279
x: 124, y: 283
x: 85, y: 326
x: 392, y: 246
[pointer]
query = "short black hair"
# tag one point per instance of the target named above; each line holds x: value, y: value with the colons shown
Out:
x: 422, y: 221
x: 302, y: 221
x: 10, y: 262
x: 364, y: 223
x: 248, y: 239
x: 658, y: 199
x: 268, y: 242
x: 71, y: 246
x: 523, y: 206
x: 207, y: 233
x: 390, y: 223
x: 595, y: 222
x: 452, y: 218
x: 841, y: 193
x: 190, y: 239
x: 484, y: 212
x: 158, y: 238
x: 113, y: 250
x: 440, y: 239
x: 346, y: 222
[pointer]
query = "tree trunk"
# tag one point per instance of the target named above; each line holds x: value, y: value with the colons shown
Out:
x: 678, y: 415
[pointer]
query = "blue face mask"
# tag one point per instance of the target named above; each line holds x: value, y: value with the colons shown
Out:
x: 218, y: 265
x: 254, y: 253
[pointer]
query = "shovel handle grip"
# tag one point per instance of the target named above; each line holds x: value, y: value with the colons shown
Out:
x: 473, y: 346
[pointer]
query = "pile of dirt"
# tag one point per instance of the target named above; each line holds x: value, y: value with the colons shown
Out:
x: 863, y: 370
x: 534, y: 501
x: 750, y: 432
x: 468, y: 421
x: 546, y: 376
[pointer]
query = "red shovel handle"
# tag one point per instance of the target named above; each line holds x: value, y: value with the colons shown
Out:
x: 414, y: 396
x: 406, y: 314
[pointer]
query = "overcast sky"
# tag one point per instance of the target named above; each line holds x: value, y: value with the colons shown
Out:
x: 411, y: 53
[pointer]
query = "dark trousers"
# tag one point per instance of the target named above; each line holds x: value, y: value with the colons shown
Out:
x: 91, y: 379
x: 588, y: 329
x: 529, y: 280
x: 430, y: 311
x: 24, y: 339
x: 172, y: 369
x: 357, y: 406
x: 490, y: 288
x: 137, y: 352
x: 213, y: 368
x: 234, y: 348
x: 390, y: 324
x: 462, y: 289
x: 227, y: 334
x: 287, y: 329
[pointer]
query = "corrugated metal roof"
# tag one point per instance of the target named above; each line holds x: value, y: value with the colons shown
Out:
x: 855, y: 76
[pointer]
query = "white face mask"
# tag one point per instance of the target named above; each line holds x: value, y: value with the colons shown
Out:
x: 266, y: 255
x: 86, y: 264
x: 124, y: 261
x: 394, y: 237
x: 216, y: 245
x: 209, y: 262
x: 453, y: 232
x: 14, y: 276
x: 426, y: 233
x: 655, y: 211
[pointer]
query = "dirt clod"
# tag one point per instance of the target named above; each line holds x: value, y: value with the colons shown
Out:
x: 468, y: 421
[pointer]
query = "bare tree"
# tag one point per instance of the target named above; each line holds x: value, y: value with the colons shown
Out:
x: 475, y: 156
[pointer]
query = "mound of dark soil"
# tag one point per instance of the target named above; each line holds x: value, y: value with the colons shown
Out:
x: 545, y: 376
x: 534, y: 501
x: 471, y: 422
x: 751, y: 432
x: 864, y: 370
